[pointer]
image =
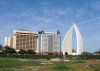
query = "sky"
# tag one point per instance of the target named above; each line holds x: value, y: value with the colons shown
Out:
x: 53, y: 15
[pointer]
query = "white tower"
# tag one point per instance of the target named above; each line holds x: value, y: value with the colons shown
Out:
x: 67, y: 42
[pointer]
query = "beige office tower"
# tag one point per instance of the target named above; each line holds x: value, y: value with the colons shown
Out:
x: 8, y: 42
x: 24, y: 39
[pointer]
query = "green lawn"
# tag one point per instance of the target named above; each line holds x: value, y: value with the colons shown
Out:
x: 13, y: 64
x: 71, y: 66
x: 16, y: 63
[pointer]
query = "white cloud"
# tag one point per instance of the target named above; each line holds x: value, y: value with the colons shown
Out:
x: 80, y: 12
x: 95, y: 4
x: 65, y: 11
x: 90, y: 20
x: 43, y: 19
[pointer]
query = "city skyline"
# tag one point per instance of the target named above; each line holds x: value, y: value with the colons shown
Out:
x: 52, y: 15
x: 41, y: 42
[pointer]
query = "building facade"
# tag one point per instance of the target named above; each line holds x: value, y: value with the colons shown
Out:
x: 24, y: 39
x: 49, y: 42
x: 9, y: 42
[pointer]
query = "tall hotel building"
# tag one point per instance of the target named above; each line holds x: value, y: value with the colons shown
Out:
x: 49, y: 42
x: 23, y: 39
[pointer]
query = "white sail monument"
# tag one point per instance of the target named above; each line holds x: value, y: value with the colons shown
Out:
x: 67, y: 42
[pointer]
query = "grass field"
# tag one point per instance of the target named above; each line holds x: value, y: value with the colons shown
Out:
x: 13, y: 64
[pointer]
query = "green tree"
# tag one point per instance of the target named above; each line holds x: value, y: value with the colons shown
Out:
x: 1, y: 47
x: 97, y: 52
x: 8, y: 50
x: 30, y: 52
x: 86, y: 53
x: 22, y: 52
x: 73, y: 50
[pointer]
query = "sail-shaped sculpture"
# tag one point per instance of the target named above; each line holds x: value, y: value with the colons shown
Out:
x: 67, y: 42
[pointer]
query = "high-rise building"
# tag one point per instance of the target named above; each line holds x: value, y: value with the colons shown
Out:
x: 24, y: 39
x: 49, y: 42
x: 8, y: 42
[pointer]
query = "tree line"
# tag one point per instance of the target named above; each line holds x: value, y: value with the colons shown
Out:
x: 7, y: 50
x: 10, y: 52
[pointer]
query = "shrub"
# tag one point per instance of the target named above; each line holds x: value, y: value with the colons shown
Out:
x: 8, y: 50
x: 22, y: 52
x: 31, y: 52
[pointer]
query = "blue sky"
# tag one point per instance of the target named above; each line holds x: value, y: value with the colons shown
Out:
x: 52, y: 15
